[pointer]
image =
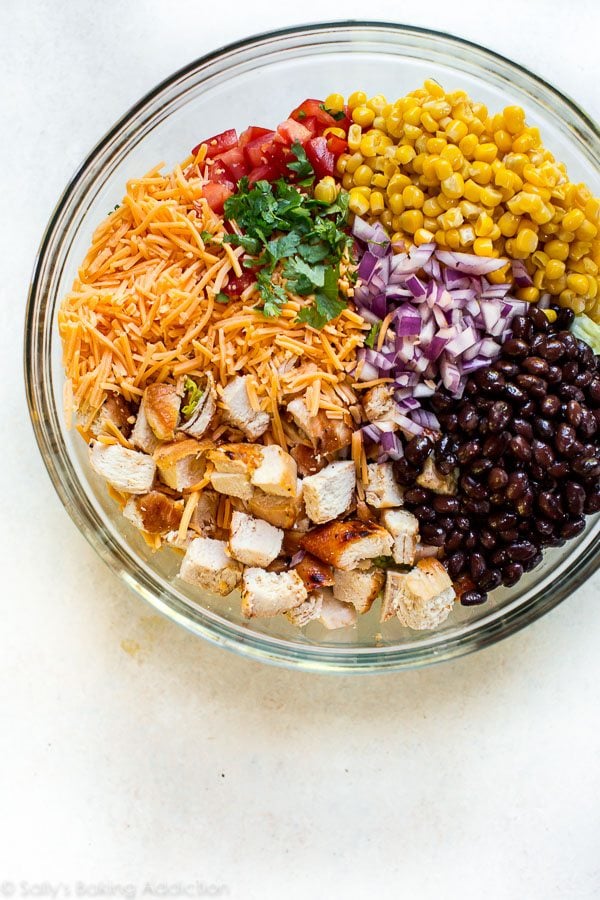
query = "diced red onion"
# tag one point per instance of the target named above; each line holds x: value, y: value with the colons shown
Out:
x: 522, y: 277
x: 297, y: 558
x: 469, y: 263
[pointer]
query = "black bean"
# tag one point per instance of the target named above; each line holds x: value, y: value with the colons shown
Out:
x: 405, y: 473
x: 454, y: 541
x: 455, y: 564
x: 569, y: 343
x: 476, y: 507
x: 574, y: 413
x: 511, y: 573
x: 587, y: 466
x: 497, y: 498
x: 554, y: 375
x: 443, y: 504
x: 447, y: 464
x: 534, y: 561
x: 490, y: 580
x: 559, y: 469
x: 497, y: 478
x: 470, y: 540
x: 539, y: 318
x: 543, y: 428
x: 433, y: 534
x: 477, y: 566
x: 552, y: 350
x: 564, y: 317
x: 473, y: 598
x: 446, y: 522
x: 569, y: 371
x: 522, y: 327
x: 565, y: 438
x: 542, y: 453
x: 535, y: 365
x: 518, y: 483
x: 544, y: 526
x: 570, y: 392
x: 509, y: 535
x: 520, y: 448
x: 487, y: 539
x: 495, y: 445
x: 549, y: 503
x: 501, y: 520
x: 468, y: 451
x: 535, y: 386
x: 480, y: 466
x: 416, y: 495
x: 522, y: 550
x: 489, y: 380
x: 500, y: 557
x: 499, y: 415
x: 468, y: 418
x: 592, y: 503
x: 524, y: 505
x: 514, y: 393
x: 523, y: 427
x: 593, y: 390
x: 582, y: 379
x: 473, y: 488
x: 424, y: 513
x: 515, y: 347
x: 549, y: 406
x: 588, y: 425
x: 507, y: 367
x: 573, y: 528
x: 418, y: 449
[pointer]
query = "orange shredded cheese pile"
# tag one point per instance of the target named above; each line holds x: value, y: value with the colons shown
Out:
x: 143, y: 309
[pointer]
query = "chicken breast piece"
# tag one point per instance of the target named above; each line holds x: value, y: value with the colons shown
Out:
x: 198, y: 422
x: 358, y: 587
x: 127, y: 470
x: 379, y: 403
x: 282, y: 512
x: 239, y: 412
x: 253, y: 541
x: 308, y: 460
x: 231, y: 484
x: 382, y: 491
x: 307, y: 611
x: 433, y: 480
x: 336, y: 614
x: 161, y: 405
x: 329, y: 493
x: 346, y: 544
x: 204, y: 517
x: 423, y: 598
x: 271, y: 593
x: 404, y: 528
x: 326, y: 435
x: 142, y: 437
x: 207, y: 564
x: 182, y: 464
x: 154, y: 513
x: 314, y: 573
x: 277, y: 472
x: 115, y: 410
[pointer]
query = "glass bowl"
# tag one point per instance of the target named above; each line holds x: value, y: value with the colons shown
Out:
x: 259, y: 81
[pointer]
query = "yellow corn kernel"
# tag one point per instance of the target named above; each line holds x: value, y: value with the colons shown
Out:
x: 440, y: 238
x: 484, y: 225
x: 557, y: 249
x: 578, y: 284
x: 363, y: 175
x: 354, y: 162
x: 435, y: 145
x: 390, y: 168
x: 433, y: 88
x: 417, y: 163
x: 334, y: 102
x: 579, y: 249
x: 347, y: 181
x: 454, y: 186
x: 467, y: 235
x: 454, y: 156
x: 412, y: 116
x: 551, y: 315
x: 354, y: 137
x: 430, y: 223
x: 413, y: 196
x: 469, y: 210
x: 508, y: 224
x: 468, y: 145
x: 554, y: 269
x: 380, y: 180
x: 483, y: 247
x: 481, y: 172
x: 523, y: 143
x: 428, y: 122
x: 386, y: 219
x: 357, y: 202
x: 398, y: 242
x: 516, y: 162
x: 411, y: 220
x: 377, y: 103
x: 325, y: 190
x: 442, y: 168
x: 503, y: 140
x: 377, y: 203
x: 539, y: 279
x: 338, y: 132
x: 457, y: 130
x: 405, y: 154
x: 445, y: 202
x: 431, y: 207
x: 592, y: 286
x: 396, y: 203
x: 364, y: 190
x: 592, y: 209
x: 380, y: 123
x: 363, y: 116
x: 358, y: 98
x: 453, y: 239
x: 486, y: 152
x: 472, y: 191
x: 341, y: 163
x: 396, y: 224
x: 540, y: 259
x: 563, y: 235
x: 526, y: 241
x: 587, y: 231
x: 542, y: 215
x: 529, y: 294
x: 514, y: 119
x: 411, y: 132
x: 452, y: 218
x: 423, y: 236
x: 397, y: 184
x: 495, y: 234
x: 374, y: 142
x: 490, y: 196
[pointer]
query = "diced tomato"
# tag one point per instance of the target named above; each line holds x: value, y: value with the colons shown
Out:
x: 238, y: 284
x: 234, y: 163
x: 266, y: 172
x: 336, y: 144
x: 251, y: 133
x: 311, y: 124
x: 254, y: 150
x: 314, y: 108
x: 216, y: 194
x: 219, y: 143
x: 320, y: 157
x: 292, y: 131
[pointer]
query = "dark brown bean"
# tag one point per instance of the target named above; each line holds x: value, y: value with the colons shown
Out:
x: 477, y: 566
x: 517, y: 485
x: 433, y: 534
x: 468, y: 418
x: 544, y: 526
x: 473, y: 598
x: 522, y: 327
x: 480, y: 466
x: 443, y: 504
x: 468, y: 451
x: 559, y: 469
x: 515, y: 347
x: 574, y: 413
x: 587, y: 466
x: 405, y: 473
x: 534, y: 561
x: 487, y: 539
x: 500, y: 557
x: 490, y: 580
x: 513, y: 392
x: 495, y: 445
x: 582, y: 379
x: 524, y: 505
x: 542, y: 453
x: 418, y: 449
x: 539, y: 319
x: 549, y: 406
x: 565, y: 317
x: 575, y: 497
x: 416, y: 495
x: 588, y: 425
x: 573, y: 528
x: 473, y: 488
x: 455, y: 564
x: 424, y: 513
x: 454, y: 541
x: 593, y: 390
x: 509, y: 535
x: 470, y: 540
x: 535, y: 386
x: 497, y: 478
x: 543, y: 428
x: 499, y: 415
x: 522, y: 550
x: 569, y: 371
x: 535, y: 365
x: 549, y: 503
x: 520, y: 448
x: 554, y: 375
x: 511, y: 573
x: 502, y: 520
x: 489, y: 380
x: 552, y: 350
x: 592, y: 502
x: 568, y: 392
x: 569, y: 343
x: 523, y: 427
x: 476, y: 507
x: 565, y: 437
x: 507, y: 367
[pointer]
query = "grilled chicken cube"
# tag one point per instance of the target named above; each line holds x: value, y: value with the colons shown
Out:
x: 329, y: 493
x: 404, y: 528
x: 282, y: 512
x: 346, y: 544
x: 239, y: 412
x: 161, y: 405
x: 307, y: 611
x: 314, y: 573
x: 379, y: 404
x: 423, y: 598
x: 115, y: 410
x: 326, y: 435
x: 390, y: 600
x: 142, y: 437
x: 154, y: 513
x: 253, y: 541
x: 126, y: 470
x: 234, y: 465
x: 207, y: 564
x: 382, y: 491
x: 277, y: 472
x: 199, y: 419
x: 270, y: 593
x: 358, y: 587
x: 204, y: 517
x: 308, y: 460
x: 433, y: 480
x: 182, y: 464
x: 335, y: 613
x: 234, y: 485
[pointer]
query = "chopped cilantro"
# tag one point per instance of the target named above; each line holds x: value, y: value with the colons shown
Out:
x: 273, y: 295
x: 337, y: 114
x: 301, y: 167
x: 382, y: 562
x: 222, y: 297
x: 193, y: 396
x: 301, y: 115
x: 207, y: 237
x: 373, y: 334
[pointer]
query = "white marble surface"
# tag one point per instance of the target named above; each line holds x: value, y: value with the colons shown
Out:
x: 182, y: 765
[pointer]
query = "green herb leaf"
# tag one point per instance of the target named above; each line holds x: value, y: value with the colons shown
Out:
x: 373, y: 334
x: 222, y: 297
x: 301, y: 167
x: 207, y: 237
x: 301, y: 115
x: 274, y: 296
x: 193, y: 396
x: 337, y: 114
x: 382, y: 562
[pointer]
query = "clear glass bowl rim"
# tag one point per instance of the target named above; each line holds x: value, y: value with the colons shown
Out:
x: 44, y: 414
